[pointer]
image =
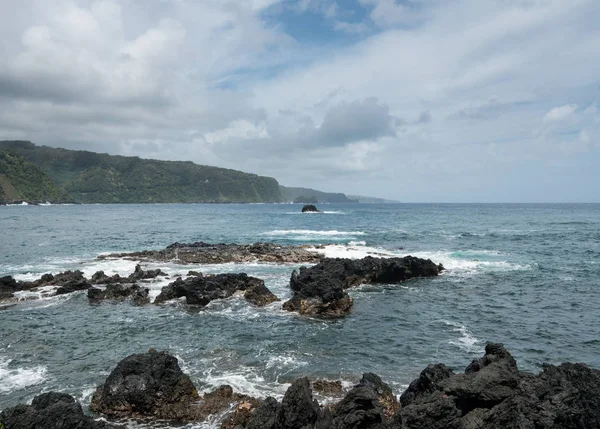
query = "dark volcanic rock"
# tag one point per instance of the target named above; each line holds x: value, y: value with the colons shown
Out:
x: 327, y: 387
x: 100, y: 278
x: 202, y: 290
x: 118, y: 292
x: 140, y: 274
x: 493, y: 394
x: 8, y: 286
x: 368, y: 405
x: 147, y: 385
x: 73, y: 286
x: 309, y: 208
x: 50, y: 411
x: 205, y: 253
x: 320, y: 290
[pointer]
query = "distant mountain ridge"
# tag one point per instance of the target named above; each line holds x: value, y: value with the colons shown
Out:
x: 90, y: 177
x: 21, y: 180
x: 41, y: 173
x: 306, y: 194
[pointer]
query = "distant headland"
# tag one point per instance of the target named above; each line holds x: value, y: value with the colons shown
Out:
x: 41, y: 174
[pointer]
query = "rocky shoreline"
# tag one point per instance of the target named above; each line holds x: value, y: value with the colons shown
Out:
x: 490, y: 393
x: 319, y: 290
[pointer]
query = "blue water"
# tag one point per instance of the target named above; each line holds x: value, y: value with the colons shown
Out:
x: 524, y: 275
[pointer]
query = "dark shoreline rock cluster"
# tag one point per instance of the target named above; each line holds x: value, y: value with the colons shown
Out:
x: 317, y: 291
x: 491, y: 393
x: 321, y: 289
x: 74, y: 281
x: 206, y: 253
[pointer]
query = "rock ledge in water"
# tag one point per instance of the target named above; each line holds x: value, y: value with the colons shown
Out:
x: 320, y: 290
x: 201, y: 290
x: 205, y: 253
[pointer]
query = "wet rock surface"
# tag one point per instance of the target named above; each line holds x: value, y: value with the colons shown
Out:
x: 51, y: 411
x: 310, y: 208
x: 491, y: 393
x: 321, y: 290
x: 206, y: 253
x: 200, y: 290
x: 147, y: 385
x: 119, y: 292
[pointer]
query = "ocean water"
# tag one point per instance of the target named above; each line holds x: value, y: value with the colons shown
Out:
x: 524, y: 275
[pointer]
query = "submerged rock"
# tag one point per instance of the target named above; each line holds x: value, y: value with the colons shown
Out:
x: 320, y: 290
x: 51, y: 411
x: 118, y: 292
x: 311, y: 208
x: 205, y: 253
x: 203, y: 289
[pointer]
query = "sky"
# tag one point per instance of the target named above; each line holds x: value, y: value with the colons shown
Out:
x: 412, y: 100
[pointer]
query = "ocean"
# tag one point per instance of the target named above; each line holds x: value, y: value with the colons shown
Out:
x: 526, y: 275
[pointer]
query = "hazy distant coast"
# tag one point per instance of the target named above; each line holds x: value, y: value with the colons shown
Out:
x: 42, y: 174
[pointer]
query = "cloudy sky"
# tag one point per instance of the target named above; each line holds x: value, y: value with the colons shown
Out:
x: 416, y: 100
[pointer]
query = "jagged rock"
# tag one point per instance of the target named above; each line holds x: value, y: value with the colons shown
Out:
x: 73, y: 286
x: 100, y: 278
x: 427, y: 383
x: 202, y: 290
x: 368, y: 405
x: 320, y: 290
x: 493, y: 394
x: 260, y: 295
x: 140, y: 274
x: 194, y: 274
x: 50, y: 411
x: 205, y: 253
x: 147, y: 385
x: 327, y: 387
x: 118, y: 292
x: 309, y: 208
x: 8, y: 286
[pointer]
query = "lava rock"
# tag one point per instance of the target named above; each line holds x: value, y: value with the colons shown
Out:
x: 73, y: 286
x: 320, y: 290
x: 140, y: 274
x: 494, y: 394
x: 100, y: 278
x: 8, y: 286
x: 118, y: 292
x: 51, y: 411
x: 310, y: 208
x: 199, y: 291
x: 147, y: 385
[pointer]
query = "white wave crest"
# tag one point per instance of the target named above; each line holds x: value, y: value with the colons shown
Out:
x: 19, y: 378
x: 330, y: 233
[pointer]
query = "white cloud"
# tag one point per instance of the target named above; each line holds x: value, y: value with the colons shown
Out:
x: 560, y: 113
x: 221, y: 82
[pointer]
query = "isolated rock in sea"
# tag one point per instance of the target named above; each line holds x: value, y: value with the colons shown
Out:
x: 202, y: 290
x: 51, y: 411
x: 147, y: 385
x: 206, y: 253
x: 118, y: 292
x: 309, y: 208
x: 320, y: 290
x: 493, y: 394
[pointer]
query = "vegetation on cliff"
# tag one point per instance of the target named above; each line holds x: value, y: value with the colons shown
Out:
x: 302, y: 195
x: 21, y: 180
x: 90, y: 177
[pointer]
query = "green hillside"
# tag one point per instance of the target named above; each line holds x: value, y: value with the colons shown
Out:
x: 90, y: 177
x: 306, y: 194
x: 23, y: 181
